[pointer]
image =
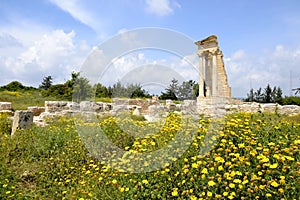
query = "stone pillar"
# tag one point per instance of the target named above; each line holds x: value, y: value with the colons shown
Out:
x: 214, y: 89
x: 22, y: 119
x: 201, y: 79
x: 208, y: 74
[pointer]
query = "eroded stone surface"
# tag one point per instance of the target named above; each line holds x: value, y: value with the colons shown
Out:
x: 22, y: 119
x: 213, y: 78
x: 36, y: 109
x: 5, y: 106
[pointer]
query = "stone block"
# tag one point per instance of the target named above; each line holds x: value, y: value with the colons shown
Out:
x: 86, y: 106
x: 5, y: 106
x: 136, y: 112
x: 36, y: 110
x: 289, y: 110
x: 269, y: 107
x: 57, y: 106
x: 22, y: 119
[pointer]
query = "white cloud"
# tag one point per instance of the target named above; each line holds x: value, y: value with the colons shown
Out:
x: 161, y: 7
x: 76, y: 9
x: 145, y: 68
x: 270, y: 67
x: 7, y: 40
x: 53, y: 53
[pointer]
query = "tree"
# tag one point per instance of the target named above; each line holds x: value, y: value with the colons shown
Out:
x: 82, y: 90
x: 129, y: 91
x: 46, y: 83
x: 13, y: 86
x: 267, y: 96
x: 118, y: 90
x: 277, y: 95
x: 171, y: 92
x: 250, y: 96
x: 174, y: 86
x: 135, y: 91
x: 258, y: 95
x: 196, y: 90
x: 65, y: 91
x: 186, y: 90
x: 101, y: 90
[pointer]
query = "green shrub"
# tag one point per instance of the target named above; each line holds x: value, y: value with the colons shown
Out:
x: 291, y: 101
x: 5, y: 124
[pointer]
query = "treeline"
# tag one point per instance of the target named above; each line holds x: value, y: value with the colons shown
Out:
x: 185, y: 90
x: 78, y: 88
x: 271, y: 95
x: 16, y: 86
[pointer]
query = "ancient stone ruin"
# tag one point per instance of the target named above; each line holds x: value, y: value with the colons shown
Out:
x: 214, y: 91
x: 22, y: 119
x: 214, y: 98
x: 213, y: 78
x: 5, y: 107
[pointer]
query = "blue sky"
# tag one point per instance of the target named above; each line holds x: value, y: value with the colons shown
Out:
x: 260, y: 40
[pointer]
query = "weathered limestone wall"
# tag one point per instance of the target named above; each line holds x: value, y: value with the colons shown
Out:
x: 142, y: 104
x: 36, y: 109
x: 223, y: 87
x: 58, y: 106
x: 212, y: 70
x: 220, y: 106
x: 5, y: 106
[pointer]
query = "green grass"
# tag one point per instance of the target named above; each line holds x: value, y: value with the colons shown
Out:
x: 22, y: 100
x: 253, y: 155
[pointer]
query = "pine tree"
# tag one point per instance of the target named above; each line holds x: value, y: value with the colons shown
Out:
x: 46, y: 83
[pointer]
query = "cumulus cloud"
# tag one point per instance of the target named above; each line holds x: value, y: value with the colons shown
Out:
x: 153, y: 69
x: 161, y: 7
x: 246, y: 70
x: 55, y: 53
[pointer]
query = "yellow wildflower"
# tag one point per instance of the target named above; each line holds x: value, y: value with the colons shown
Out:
x: 274, y: 166
x: 211, y: 183
x: 204, y: 171
x: 209, y: 194
x: 274, y: 184
x: 175, y: 192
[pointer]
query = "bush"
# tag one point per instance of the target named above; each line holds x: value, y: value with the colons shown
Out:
x: 5, y: 124
x: 291, y: 101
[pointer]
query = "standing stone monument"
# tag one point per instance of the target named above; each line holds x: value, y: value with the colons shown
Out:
x: 213, y: 78
x: 22, y: 119
x: 214, y: 91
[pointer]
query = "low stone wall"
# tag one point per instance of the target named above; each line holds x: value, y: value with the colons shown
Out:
x: 68, y: 106
x: 222, y: 106
x: 36, y: 110
x: 58, y: 106
x: 5, y: 106
x: 131, y: 104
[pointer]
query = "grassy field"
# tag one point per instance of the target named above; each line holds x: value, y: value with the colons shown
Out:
x: 22, y: 100
x: 249, y: 156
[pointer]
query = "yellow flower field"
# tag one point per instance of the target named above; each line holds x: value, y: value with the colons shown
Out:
x: 243, y: 156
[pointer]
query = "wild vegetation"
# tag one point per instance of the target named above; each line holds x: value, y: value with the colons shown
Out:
x: 250, y: 156
x: 269, y: 95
